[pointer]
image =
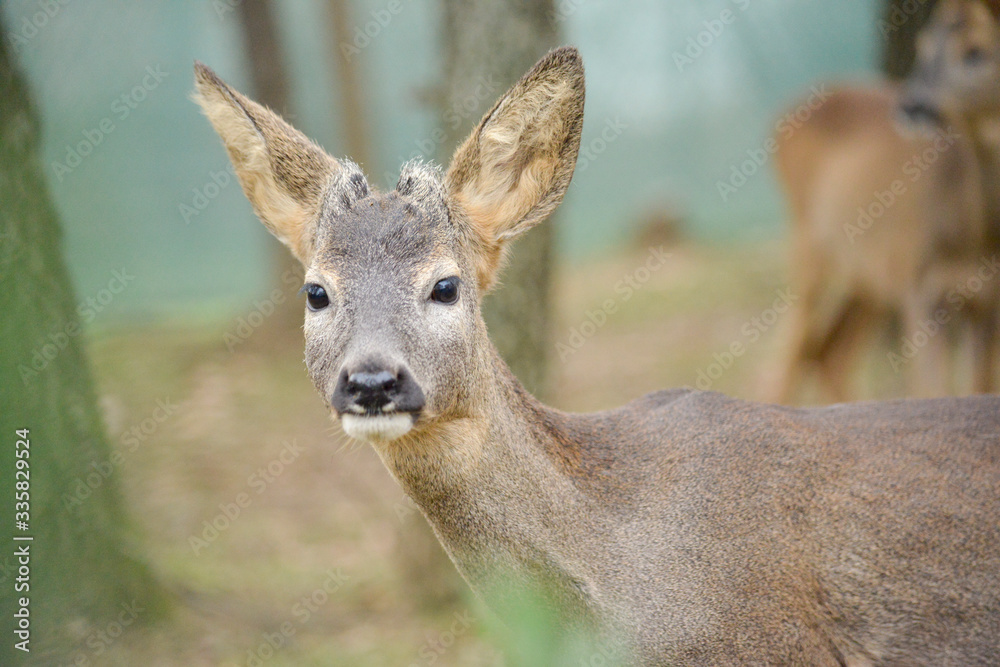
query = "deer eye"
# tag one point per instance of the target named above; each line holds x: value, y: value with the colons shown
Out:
x: 445, y: 291
x: 316, y: 297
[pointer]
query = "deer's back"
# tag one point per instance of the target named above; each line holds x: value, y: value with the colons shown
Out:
x: 865, y: 529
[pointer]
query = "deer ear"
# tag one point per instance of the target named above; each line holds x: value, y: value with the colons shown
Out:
x: 514, y: 168
x: 282, y: 173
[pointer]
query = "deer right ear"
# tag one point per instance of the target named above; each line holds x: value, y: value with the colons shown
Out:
x: 514, y: 168
x: 283, y: 174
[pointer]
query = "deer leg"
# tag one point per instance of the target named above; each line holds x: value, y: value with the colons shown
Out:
x: 984, y: 344
x: 825, y: 334
x: 804, y: 339
x: 795, y: 359
x: 838, y: 356
x: 927, y: 344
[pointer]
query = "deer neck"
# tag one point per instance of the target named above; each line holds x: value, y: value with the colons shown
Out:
x: 493, y: 487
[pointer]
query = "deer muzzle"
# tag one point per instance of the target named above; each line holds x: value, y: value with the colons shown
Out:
x: 377, y: 401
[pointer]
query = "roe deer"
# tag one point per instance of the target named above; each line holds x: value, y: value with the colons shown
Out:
x: 685, y: 527
x: 900, y: 227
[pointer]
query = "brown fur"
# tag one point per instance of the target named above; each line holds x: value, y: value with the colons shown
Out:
x: 282, y: 173
x: 683, y: 528
x: 515, y: 166
x: 906, y: 266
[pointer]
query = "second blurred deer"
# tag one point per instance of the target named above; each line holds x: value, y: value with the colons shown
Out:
x: 895, y: 200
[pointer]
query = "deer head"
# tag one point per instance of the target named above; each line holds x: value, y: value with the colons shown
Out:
x: 395, y: 342
x: 957, y: 68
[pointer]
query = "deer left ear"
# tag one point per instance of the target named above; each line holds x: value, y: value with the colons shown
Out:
x: 282, y: 173
x: 514, y: 168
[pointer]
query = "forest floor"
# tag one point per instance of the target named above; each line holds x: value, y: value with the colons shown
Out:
x: 326, y: 562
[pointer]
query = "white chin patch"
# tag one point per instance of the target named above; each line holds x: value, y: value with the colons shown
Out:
x: 376, y: 427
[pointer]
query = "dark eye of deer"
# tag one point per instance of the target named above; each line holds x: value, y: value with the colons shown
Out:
x: 316, y: 298
x: 445, y: 291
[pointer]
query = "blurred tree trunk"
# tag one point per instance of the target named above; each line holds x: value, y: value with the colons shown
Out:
x: 488, y: 45
x: 898, y: 26
x: 82, y: 574
x: 352, y: 101
x: 269, y: 78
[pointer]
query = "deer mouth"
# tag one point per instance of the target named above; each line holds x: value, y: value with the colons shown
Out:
x: 377, y: 427
x: 377, y: 401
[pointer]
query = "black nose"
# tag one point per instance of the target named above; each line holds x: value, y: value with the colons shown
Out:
x: 375, y: 389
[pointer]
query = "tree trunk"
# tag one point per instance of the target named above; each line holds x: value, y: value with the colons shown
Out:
x: 488, y: 45
x: 900, y: 22
x: 81, y: 568
x: 269, y: 80
x: 352, y: 103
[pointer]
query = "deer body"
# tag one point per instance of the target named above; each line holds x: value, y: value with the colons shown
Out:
x: 683, y: 528
x: 895, y: 226
x: 713, y: 531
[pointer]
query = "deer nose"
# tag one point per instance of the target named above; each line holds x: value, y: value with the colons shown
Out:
x: 372, y: 390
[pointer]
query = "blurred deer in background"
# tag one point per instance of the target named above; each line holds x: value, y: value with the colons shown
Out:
x: 895, y: 203
x: 684, y: 528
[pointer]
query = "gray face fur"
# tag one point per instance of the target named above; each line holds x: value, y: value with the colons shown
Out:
x: 379, y: 257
